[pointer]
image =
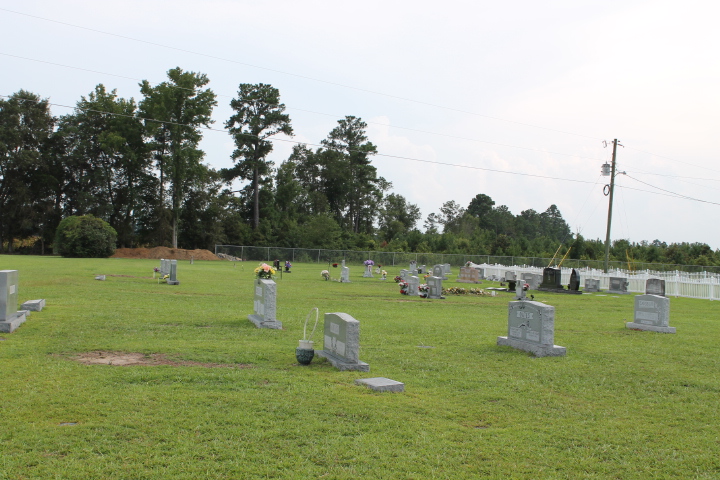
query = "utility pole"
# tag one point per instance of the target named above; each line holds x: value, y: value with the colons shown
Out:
x: 610, y: 203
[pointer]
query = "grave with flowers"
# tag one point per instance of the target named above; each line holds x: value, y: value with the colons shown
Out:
x: 368, y: 268
x: 264, y: 304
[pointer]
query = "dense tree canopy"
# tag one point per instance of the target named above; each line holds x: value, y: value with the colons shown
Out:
x: 138, y: 166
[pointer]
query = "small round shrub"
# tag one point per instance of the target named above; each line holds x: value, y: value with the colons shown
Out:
x: 85, y: 236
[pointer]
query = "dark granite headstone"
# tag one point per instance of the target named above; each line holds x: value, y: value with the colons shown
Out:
x: 574, y: 281
x: 655, y: 286
x: 618, y: 285
x: 551, y: 279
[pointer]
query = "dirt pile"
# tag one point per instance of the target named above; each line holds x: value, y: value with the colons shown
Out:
x: 165, y: 252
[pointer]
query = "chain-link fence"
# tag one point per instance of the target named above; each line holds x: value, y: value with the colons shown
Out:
x: 356, y: 257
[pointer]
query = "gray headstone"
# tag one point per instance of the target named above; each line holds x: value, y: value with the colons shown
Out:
x: 439, y: 271
x: 413, y: 285
x: 531, y: 328
x: 404, y: 274
x: 520, y: 290
x: 510, y: 276
x: 345, y: 274
x: 368, y: 272
x: 618, y: 285
x: 434, y: 288
x: 655, y: 286
x: 652, y: 312
x: 33, y: 305
x: 591, y: 285
x: 172, y: 267
x: 381, y: 384
x: 10, y: 317
x: 264, y: 304
x: 341, y: 342
x: 469, y: 275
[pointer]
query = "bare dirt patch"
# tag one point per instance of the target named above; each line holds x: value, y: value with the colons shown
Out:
x: 125, y: 359
x: 165, y: 252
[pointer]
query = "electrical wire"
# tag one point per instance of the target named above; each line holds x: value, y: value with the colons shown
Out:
x: 320, y: 113
x: 674, y: 160
x: 305, y: 77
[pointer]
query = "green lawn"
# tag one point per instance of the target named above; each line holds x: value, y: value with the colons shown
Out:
x: 622, y: 404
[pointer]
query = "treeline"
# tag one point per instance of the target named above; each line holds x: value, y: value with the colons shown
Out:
x: 138, y: 166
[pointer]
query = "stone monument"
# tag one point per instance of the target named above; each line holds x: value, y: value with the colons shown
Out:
x: 264, y: 305
x: 344, y: 274
x: 469, y: 275
x: 10, y: 317
x: 435, y: 288
x: 655, y: 286
x: 341, y: 344
x: 592, y: 285
x: 552, y: 280
x: 531, y: 327
x: 413, y: 285
x: 652, y: 312
x: 618, y: 285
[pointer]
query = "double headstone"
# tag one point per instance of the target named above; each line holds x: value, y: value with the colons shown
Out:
x: 404, y: 274
x: 169, y: 268
x: 552, y: 279
x: 652, y: 312
x: 10, y: 317
x: 434, y: 284
x: 510, y: 276
x: 655, y: 286
x: 531, y: 328
x: 341, y: 342
x: 469, y: 275
x: 618, y: 285
x: 264, y: 305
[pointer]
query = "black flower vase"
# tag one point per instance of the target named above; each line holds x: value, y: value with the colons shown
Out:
x: 305, y: 353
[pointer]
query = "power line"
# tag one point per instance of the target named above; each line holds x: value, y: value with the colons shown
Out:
x: 457, y: 137
x: 674, y: 160
x: 434, y: 162
x: 305, y: 77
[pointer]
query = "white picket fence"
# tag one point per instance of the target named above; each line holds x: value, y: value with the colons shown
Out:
x: 701, y: 285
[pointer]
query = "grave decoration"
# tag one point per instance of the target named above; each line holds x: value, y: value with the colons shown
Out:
x: 306, y: 351
x: 264, y: 304
x: 531, y: 328
x: 288, y: 266
x: 652, y: 312
x: 619, y: 285
x: 341, y: 342
x: 384, y: 275
x: 10, y: 317
x: 655, y: 286
x: 325, y: 275
x: 423, y: 290
x: 368, y: 268
x: 403, y: 287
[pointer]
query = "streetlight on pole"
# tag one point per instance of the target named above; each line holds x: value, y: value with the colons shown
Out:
x: 609, y: 170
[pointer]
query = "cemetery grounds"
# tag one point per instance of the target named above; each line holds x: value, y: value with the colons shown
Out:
x: 188, y: 388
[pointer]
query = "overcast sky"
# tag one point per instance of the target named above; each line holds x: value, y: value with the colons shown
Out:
x: 511, y: 99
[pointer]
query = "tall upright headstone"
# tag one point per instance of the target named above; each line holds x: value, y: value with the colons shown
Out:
x: 404, y: 274
x: 413, y: 285
x: 574, y: 284
x: 341, y: 342
x: 652, y: 312
x: 439, y: 271
x: 510, y: 276
x: 618, y: 285
x: 10, y: 317
x: 173, y: 273
x: 446, y: 270
x: 520, y: 290
x: 531, y: 327
x: 264, y: 304
x: 434, y: 288
x: 655, y: 286
x: 344, y: 274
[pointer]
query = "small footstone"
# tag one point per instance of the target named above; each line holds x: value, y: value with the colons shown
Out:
x: 381, y: 384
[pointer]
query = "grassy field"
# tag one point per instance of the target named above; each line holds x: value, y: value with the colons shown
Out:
x: 622, y: 404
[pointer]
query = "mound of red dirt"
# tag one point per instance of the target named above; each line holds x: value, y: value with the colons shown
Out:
x: 165, y: 252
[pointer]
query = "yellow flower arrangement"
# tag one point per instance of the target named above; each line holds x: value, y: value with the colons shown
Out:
x: 264, y: 271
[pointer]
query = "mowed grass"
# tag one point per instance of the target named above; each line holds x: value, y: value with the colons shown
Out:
x: 622, y: 404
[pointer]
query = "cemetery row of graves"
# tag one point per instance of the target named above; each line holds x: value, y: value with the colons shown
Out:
x: 477, y: 384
